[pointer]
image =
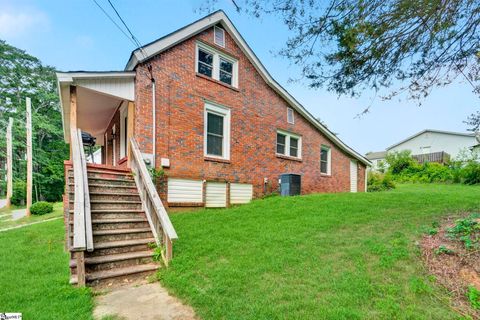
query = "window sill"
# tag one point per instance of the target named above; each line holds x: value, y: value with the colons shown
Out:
x: 326, y: 175
x: 216, y: 160
x: 217, y: 82
x: 282, y: 156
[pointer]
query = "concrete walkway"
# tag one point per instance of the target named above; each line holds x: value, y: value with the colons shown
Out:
x: 3, y: 203
x: 146, y: 302
x: 18, y: 214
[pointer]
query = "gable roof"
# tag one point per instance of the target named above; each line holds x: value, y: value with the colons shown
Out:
x: 376, y: 155
x: 433, y: 131
x: 219, y: 17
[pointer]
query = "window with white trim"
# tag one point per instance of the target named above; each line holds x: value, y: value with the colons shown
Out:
x: 325, y: 160
x: 289, y: 144
x: 216, y: 65
x: 217, y: 131
x: 290, y: 116
x: 219, y: 36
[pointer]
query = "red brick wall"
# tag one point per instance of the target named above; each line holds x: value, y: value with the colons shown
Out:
x: 256, y: 114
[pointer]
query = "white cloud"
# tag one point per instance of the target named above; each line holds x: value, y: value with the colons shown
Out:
x: 17, y: 22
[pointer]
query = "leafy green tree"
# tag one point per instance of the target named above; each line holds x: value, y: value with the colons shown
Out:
x: 23, y: 75
x: 401, y: 46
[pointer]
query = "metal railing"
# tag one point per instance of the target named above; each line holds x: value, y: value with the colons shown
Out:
x: 157, y: 216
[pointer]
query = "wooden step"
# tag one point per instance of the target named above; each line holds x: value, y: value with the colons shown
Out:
x: 102, y: 221
x: 124, y: 243
x: 119, y: 231
x: 113, y: 258
x: 114, y: 211
x: 100, y: 275
x: 113, y: 201
x: 106, y: 186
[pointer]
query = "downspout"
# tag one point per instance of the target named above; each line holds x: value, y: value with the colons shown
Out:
x: 154, y: 124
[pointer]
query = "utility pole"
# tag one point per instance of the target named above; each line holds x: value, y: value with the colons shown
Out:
x: 9, y: 162
x: 29, y: 155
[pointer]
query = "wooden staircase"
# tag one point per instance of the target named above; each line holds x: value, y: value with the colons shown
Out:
x: 122, y: 236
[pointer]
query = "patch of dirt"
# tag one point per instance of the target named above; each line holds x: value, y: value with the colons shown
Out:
x: 456, y: 268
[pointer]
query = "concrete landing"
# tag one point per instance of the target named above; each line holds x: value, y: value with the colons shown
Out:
x: 145, y: 301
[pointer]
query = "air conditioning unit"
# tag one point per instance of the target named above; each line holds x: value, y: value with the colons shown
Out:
x: 290, y: 184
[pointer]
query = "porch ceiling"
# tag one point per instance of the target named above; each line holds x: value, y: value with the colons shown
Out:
x: 98, y: 97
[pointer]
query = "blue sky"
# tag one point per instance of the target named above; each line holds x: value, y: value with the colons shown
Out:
x: 76, y: 35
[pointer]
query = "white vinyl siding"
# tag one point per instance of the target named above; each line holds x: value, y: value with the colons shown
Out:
x: 240, y: 193
x: 216, y: 65
x: 185, y: 191
x: 353, y: 176
x: 216, y: 195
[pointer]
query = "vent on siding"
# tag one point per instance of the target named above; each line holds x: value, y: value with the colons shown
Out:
x: 290, y: 118
x: 219, y: 36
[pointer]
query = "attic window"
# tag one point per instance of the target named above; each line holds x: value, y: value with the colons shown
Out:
x: 219, y: 37
x: 290, y: 118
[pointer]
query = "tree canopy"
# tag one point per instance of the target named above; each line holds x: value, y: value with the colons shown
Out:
x: 21, y: 76
x: 400, y: 46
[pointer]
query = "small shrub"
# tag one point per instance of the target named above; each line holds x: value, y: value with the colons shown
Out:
x: 471, y: 173
x: 473, y: 296
x: 467, y: 231
x: 379, y: 182
x: 19, y: 195
x: 400, y: 161
x: 41, y: 208
x: 443, y: 250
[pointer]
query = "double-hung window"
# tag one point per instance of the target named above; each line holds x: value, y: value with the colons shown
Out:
x: 216, y: 65
x: 325, y: 160
x: 289, y: 144
x: 217, y: 132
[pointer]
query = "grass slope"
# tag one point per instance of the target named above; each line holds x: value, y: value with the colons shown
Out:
x: 328, y: 256
x: 6, y: 214
x: 34, y: 275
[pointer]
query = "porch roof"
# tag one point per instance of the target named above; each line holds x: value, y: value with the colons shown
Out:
x: 99, y: 94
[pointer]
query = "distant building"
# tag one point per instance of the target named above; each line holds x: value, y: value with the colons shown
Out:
x: 377, y: 159
x: 429, y: 146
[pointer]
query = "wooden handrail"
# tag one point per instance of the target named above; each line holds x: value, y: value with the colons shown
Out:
x: 157, y: 216
x: 82, y: 221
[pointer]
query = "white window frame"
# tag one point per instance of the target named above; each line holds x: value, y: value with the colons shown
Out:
x: 224, y: 112
x: 290, y: 111
x: 123, y: 142
x: 329, y: 160
x: 215, y: 38
x: 289, y: 135
x: 216, y: 63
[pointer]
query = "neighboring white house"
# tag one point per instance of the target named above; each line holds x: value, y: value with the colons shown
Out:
x: 429, y: 141
x: 377, y: 159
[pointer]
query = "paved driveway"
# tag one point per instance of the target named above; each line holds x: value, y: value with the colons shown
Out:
x: 3, y: 203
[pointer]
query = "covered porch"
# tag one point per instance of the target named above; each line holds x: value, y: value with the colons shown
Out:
x: 100, y: 104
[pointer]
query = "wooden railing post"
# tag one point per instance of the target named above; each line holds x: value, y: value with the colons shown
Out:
x: 80, y: 260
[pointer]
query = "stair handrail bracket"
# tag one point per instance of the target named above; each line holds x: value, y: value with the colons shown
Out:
x: 158, y: 219
x: 82, y: 220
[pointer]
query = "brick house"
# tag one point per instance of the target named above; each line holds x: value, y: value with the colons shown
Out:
x: 199, y: 104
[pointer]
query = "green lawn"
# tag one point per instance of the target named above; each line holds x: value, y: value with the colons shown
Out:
x: 6, y: 222
x: 329, y: 256
x: 34, y: 275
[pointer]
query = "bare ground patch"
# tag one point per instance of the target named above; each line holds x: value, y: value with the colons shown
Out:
x: 455, y: 266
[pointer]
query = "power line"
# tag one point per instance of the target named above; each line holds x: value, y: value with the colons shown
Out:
x: 128, y: 29
x: 113, y: 21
